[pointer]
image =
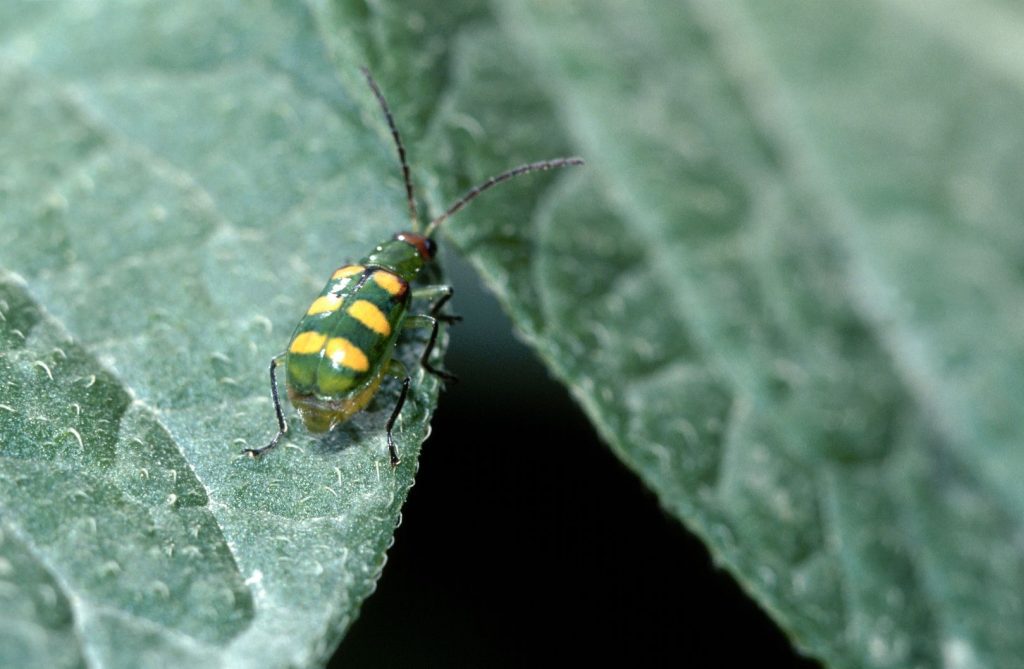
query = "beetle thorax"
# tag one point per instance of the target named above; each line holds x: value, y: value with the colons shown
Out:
x: 397, y: 256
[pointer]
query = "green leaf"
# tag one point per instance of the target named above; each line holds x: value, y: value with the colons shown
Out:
x: 178, y: 181
x: 786, y: 289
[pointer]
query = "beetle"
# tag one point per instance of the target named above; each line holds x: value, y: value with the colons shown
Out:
x: 342, y: 348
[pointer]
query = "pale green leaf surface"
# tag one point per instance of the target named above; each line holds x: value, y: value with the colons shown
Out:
x: 786, y: 289
x: 178, y: 180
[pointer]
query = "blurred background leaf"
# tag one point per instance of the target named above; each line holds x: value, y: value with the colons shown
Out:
x: 784, y: 290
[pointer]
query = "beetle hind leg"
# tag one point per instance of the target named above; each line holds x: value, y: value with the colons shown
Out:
x: 282, y: 425
x: 396, y: 368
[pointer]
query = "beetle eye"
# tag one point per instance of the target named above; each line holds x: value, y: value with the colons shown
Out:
x: 431, y: 247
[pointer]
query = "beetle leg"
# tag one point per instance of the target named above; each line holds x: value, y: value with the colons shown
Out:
x: 425, y: 321
x: 442, y: 294
x: 282, y: 426
x: 396, y: 368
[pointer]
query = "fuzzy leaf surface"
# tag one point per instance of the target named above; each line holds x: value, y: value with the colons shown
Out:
x: 178, y: 181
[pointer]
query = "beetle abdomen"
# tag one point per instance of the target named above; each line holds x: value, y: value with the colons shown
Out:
x: 348, y: 332
x: 321, y: 415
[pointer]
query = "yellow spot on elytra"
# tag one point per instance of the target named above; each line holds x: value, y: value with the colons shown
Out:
x: 389, y: 282
x: 347, y: 270
x: 307, y: 342
x: 344, y: 353
x: 369, y: 315
x: 324, y: 304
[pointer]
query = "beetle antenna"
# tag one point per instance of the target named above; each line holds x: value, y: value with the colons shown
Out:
x: 504, y: 176
x: 401, y: 149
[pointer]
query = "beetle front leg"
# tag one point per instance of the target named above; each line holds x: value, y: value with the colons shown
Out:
x: 282, y: 426
x: 442, y: 294
x: 424, y: 321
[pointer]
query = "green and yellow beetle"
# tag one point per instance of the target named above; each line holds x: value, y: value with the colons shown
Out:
x: 342, y: 348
